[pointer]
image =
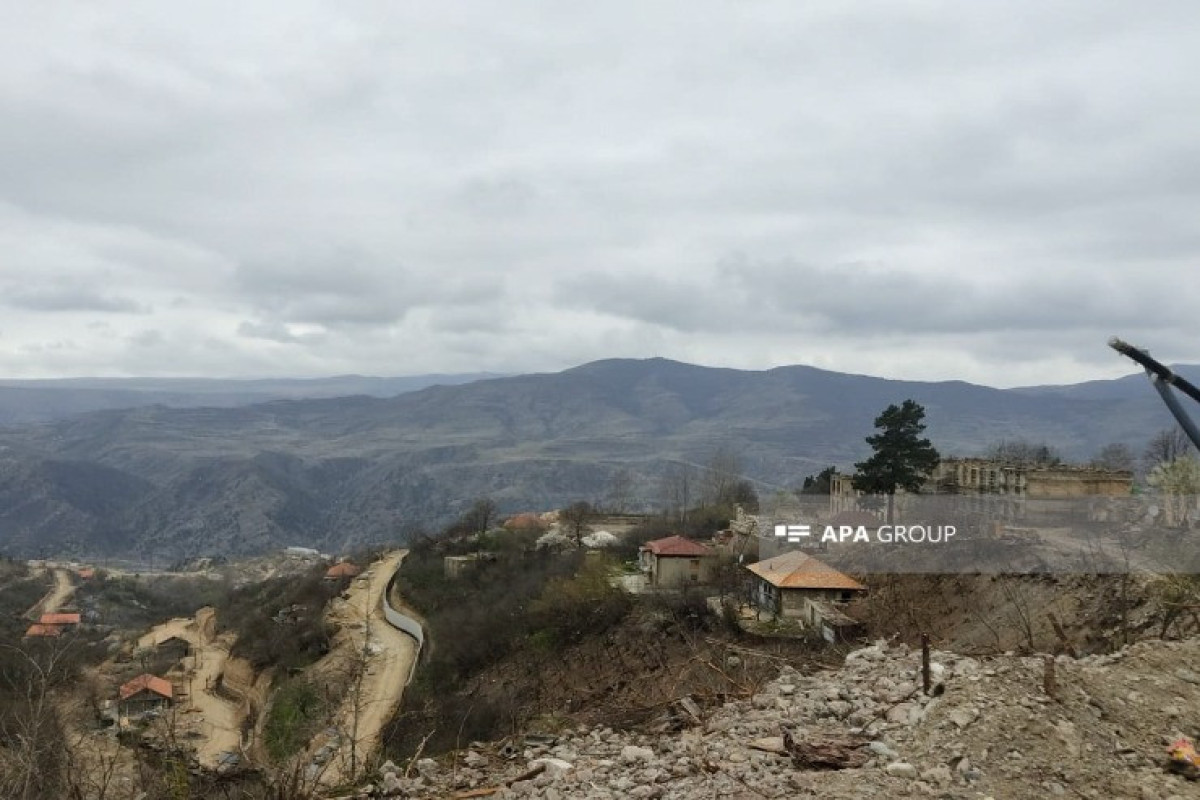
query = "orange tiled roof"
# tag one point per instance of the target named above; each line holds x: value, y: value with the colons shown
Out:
x: 797, y: 570
x: 37, y: 629
x: 86, y: 573
x: 342, y: 570
x: 148, y: 682
x: 525, y: 521
x: 59, y: 619
x: 677, y: 546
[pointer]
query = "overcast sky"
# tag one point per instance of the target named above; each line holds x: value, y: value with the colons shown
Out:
x: 984, y: 191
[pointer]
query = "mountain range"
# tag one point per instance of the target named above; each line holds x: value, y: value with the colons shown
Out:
x: 237, y: 476
x: 24, y: 401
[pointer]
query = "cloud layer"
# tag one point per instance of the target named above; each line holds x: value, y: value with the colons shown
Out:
x: 919, y: 190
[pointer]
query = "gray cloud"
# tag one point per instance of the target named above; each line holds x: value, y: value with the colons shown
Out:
x: 903, y: 188
x: 65, y: 298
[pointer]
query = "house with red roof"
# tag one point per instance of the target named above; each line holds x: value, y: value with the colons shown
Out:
x: 676, y: 561
x: 345, y: 569
x: 144, y: 693
x: 38, y: 630
x: 796, y: 585
x: 52, y: 624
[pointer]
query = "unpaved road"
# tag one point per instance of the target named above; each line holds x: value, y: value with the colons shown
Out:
x: 216, y: 719
x: 382, y: 686
x: 57, y: 597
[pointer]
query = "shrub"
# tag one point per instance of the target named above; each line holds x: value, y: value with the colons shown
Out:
x: 297, y: 709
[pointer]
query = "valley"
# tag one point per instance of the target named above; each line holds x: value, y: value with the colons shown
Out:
x: 164, y: 484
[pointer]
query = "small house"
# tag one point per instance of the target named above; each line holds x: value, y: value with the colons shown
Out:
x: 37, y: 630
x: 455, y: 567
x: 173, y: 649
x: 145, y: 693
x: 676, y: 561
x: 52, y: 625
x: 798, y: 586
x: 343, y: 570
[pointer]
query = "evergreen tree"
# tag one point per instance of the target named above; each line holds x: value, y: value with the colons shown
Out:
x: 902, y: 458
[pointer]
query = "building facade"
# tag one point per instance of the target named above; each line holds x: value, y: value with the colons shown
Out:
x: 676, y: 562
x: 795, y: 585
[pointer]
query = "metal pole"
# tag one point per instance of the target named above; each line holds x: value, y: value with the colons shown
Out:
x: 926, y: 681
x: 1164, y: 379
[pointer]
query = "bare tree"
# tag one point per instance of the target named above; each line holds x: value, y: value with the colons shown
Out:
x: 1178, y: 598
x: 1115, y: 456
x: 721, y: 475
x: 1019, y: 608
x: 678, y: 490
x: 33, y: 764
x: 1024, y: 454
x: 576, y: 519
x: 1166, y: 446
x: 620, y: 491
x: 481, y: 514
x: 1178, y: 482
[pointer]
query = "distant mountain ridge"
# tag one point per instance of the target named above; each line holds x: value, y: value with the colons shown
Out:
x: 43, y: 400
x: 330, y: 472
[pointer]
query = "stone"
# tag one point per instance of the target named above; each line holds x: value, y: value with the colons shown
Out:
x: 940, y: 775
x: 474, y: 760
x: 962, y: 717
x: 1188, y: 676
x: 632, y: 753
x: 769, y: 744
x: 882, y: 750
x: 839, y: 708
x: 901, y: 769
x: 553, y: 766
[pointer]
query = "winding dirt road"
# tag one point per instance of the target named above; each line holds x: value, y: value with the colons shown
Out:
x: 56, y: 598
x: 366, y: 638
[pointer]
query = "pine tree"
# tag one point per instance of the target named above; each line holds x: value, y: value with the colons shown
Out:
x: 902, y: 458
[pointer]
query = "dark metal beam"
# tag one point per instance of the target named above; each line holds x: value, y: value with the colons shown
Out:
x: 1163, y: 379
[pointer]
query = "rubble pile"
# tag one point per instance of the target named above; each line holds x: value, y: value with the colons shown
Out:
x: 987, y: 728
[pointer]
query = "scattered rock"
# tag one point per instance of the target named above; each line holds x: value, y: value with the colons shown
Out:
x: 552, y: 766
x: 632, y: 753
x: 1103, y: 738
x: 901, y: 769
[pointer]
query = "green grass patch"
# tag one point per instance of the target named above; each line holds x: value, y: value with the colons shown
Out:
x: 295, y: 716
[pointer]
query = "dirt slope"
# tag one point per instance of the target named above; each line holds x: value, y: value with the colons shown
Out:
x: 988, y: 731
